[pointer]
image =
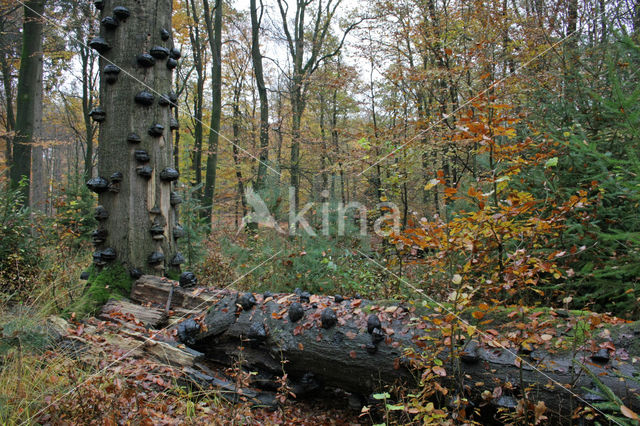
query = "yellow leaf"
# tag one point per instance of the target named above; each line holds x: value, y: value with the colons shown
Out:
x: 431, y: 184
x: 628, y: 413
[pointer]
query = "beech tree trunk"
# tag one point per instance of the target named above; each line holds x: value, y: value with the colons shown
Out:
x: 256, y: 57
x: 345, y: 356
x: 137, y: 202
x: 27, y: 97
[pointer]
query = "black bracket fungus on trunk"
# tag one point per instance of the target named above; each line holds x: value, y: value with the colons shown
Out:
x: 101, y: 213
x: 134, y: 138
x: 156, y: 130
x: 144, y: 171
x: 328, y: 318
x: 110, y: 23
x: 100, y: 45
x: 178, y: 260
x: 145, y: 60
x: 97, y: 259
x: 159, y: 52
x: 141, y: 156
x: 188, y: 279
x: 175, y: 198
x: 296, y: 312
x: 169, y: 174
x: 155, y: 258
x: 175, y: 53
x: 121, y: 12
x: 155, y: 210
x: 373, y: 322
x: 164, y: 101
x: 99, y: 236
x: 144, y: 98
x: 108, y: 254
x: 172, y: 64
x: 174, y: 125
x: 178, y: 231
x: 99, y: 4
x: 173, y: 98
x: 115, y: 179
x: 98, y: 114
x: 247, y: 301
x: 164, y: 34
x: 111, y: 73
x: 157, y: 231
x: 98, y: 185
x: 135, y: 273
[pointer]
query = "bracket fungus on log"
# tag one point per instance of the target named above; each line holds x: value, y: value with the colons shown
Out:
x: 164, y: 34
x: 338, y: 298
x: 169, y: 174
x: 111, y: 73
x: 377, y: 335
x: 328, y: 318
x: 145, y: 60
x: 257, y: 332
x: 134, y: 138
x: 156, y: 130
x: 141, y: 156
x: 98, y: 185
x: 247, y: 301
x: 373, y: 322
x: 98, y: 114
x: 155, y: 258
x: 110, y: 23
x: 144, y: 171
x: 101, y: 213
x: 296, y: 312
x: 159, y: 52
x: 144, y: 98
x: 100, y: 45
x: 172, y: 64
x: 188, y: 279
x: 121, y: 12
x: 305, y: 297
x: 175, y: 198
x: 178, y: 259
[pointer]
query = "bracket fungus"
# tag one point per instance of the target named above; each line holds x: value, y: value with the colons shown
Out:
x: 144, y: 98
x: 99, y: 4
x: 111, y: 73
x: 178, y: 259
x: 155, y: 258
x: 157, y: 231
x: 257, y: 332
x: 296, y: 312
x: 175, y: 198
x: 601, y: 357
x: 134, y: 138
x: 116, y: 177
x: 145, y: 60
x: 144, y: 171
x: 377, y: 335
x: 164, y: 34
x: 305, y: 297
x: 338, y: 298
x: 101, y: 213
x: 175, y: 53
x: 178, y: 232
x: 141, y: 156
x: 169, y: 174
x: 164, y: 101
x: 110, y: 23
x: 121, y: 12
x: 135, y: 273
x: 373, y: 322
x: 174, y: 125
x: 247, y: 301
x: 98, y: 185
x: 188, y: 279
x: 100, y: 45
x: 172, y: 64
x: 108, y: 254
x: 156, y: 130
x: 99, y: 236
x: 159, y: 52
x: 98, y: 114
x: 328, y: 318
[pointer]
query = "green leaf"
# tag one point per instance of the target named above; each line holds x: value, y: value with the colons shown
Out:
x: 551, y: 162
x: 379, y: 396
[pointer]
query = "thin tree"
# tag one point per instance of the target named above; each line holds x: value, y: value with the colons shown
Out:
x: 258, y: 72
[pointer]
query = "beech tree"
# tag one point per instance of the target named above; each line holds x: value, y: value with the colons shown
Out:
x: 137, y: 214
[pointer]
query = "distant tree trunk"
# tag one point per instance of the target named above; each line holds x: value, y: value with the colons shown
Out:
x: 256, y: 57
x: 87, y: 60
x: 138, y: 198
x: 215, y: 41
x: 26, y: 114
x: 198, y: 52
x: 7, y: 85
x: 39, y: 186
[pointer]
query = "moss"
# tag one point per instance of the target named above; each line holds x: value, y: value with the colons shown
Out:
x: 112, y: 282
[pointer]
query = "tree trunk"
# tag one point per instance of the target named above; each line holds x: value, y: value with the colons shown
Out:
x: 215, y: 40
x: 138, y: 202
x: 256, y: 57
x: 345, y: 356
x: 26, y: 111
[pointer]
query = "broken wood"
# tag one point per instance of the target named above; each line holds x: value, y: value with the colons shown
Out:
x: 360, y: 356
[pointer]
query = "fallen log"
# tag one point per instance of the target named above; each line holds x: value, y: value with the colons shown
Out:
x: 360, y: 347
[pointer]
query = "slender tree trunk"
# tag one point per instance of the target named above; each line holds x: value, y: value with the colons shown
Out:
x: 215, y: 41
x: 26, y: 114
x: 256, y: 57
x: 198, y: 50
x: 8, y: 95
x: 141, y: 219
x: 39, y: 182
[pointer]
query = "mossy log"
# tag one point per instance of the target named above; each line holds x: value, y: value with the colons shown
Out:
x: 359, y: 356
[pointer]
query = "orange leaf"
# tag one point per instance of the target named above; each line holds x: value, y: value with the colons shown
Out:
x: 628, y: 413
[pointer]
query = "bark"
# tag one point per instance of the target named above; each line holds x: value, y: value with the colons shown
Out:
x: 26, y: 111
x: 214, y: 29
x: 256, y: 57
x: 199, y: 53
x: 137, y: 203
x: 338, y: 357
